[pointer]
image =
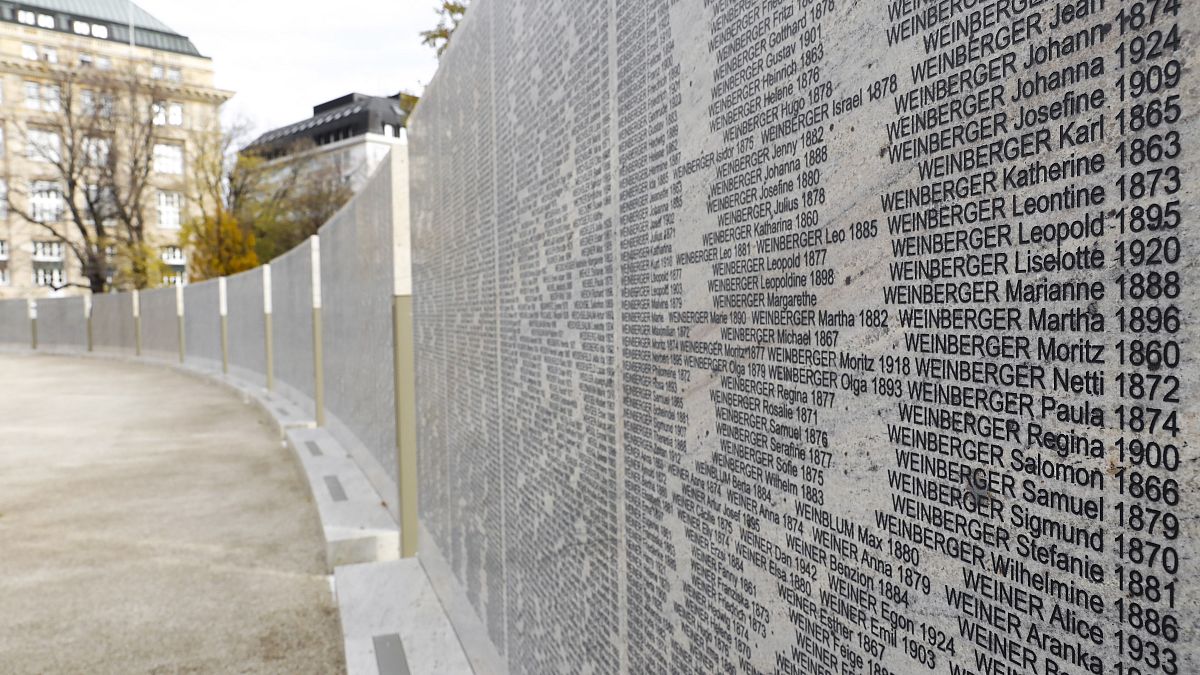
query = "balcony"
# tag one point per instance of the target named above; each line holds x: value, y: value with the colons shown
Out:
x: 174, y: 256
x: 47, y: 254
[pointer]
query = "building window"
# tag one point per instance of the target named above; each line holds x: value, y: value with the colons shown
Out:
x: 100, y: 203
x: 3, y: 249
x: 26, y: 17
x: 173, y: 255
x: 94, y: 29
x: 42, y: 96
x: 86, y: 60
x: 156, y: 72
x: 48, y: 264
x: 168, y: 113
x: 29, y: 51
x: 110, y: 268
x: 49, y: 54
x: 3, y: 198
x: 46, y: 204
x: 46, y: 21
x: 47, y: 251
x: 49, y: 275
x: 88, y: 100
x: 168, y: 158
x: 4, y: 278
x: 176, y: 260
x: 174, y: 75
x: 42, y: 146
x: 96, y: 150
x: 170, y: 206
x: 103, y: 63
x: 51, y: 97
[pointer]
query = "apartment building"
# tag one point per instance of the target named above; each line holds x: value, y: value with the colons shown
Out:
x: 86, y: 43
x: 349, y: 135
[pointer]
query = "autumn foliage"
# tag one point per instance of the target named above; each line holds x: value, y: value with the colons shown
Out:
x: 219, y: 246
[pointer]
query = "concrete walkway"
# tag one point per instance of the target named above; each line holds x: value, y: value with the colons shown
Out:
x: 152, y: 523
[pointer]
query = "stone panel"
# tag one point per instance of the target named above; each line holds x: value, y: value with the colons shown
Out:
x: 292, y: 316
x: 813, y: 337
x: 462, y: 490
x: 202, y: 324
x: 247, y: 325
x: 15, y: 330
x: 357, y: 279
x: 113, y: 328
x: 62, y: 324
x: 160, y: 323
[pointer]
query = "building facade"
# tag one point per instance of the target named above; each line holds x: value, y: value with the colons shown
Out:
x: 349, y: 135
x: 46, y: 43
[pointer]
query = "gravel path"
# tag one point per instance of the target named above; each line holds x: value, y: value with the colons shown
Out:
x: 152, y: 523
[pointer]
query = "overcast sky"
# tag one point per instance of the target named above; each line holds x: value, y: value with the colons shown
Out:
x: 282, y: 58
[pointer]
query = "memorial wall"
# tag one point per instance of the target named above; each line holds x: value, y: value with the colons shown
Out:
x: 812, y: 337
x: 160, y: 320
x: 357, y: 266
x: 62, y: 323
x: 202, y: 324
x: 247, y: 324
x: 15, y: 330
x: 292, y: 314
x: 113, y: 325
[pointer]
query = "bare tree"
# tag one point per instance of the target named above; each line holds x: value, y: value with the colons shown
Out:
x: 92, y: 145
x: 276, y: 205
x: 219, y: 243
x: 286, y: 201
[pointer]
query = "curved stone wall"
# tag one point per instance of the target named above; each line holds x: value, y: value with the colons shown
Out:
x: 292, y: 306
x: 160, y: 322
x: 247, y: 325
x: 113, y: 325
x: 15, y: 329
x: 357, y: 281
x: 62, y: 323
x: 202, y: 324
x: 800, y: 337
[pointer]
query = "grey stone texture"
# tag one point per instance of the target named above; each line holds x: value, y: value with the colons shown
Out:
x: 160, y: 323
x: 62, y: 323
x: 292, y: 316
x: 202, y: 323
x: 810, y: 337
x: 393, y: 623
x: 113, y: 327
x: 15, y: 329
x: 358, y: 528
x: 247, y: 325
x: 357, y: 280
